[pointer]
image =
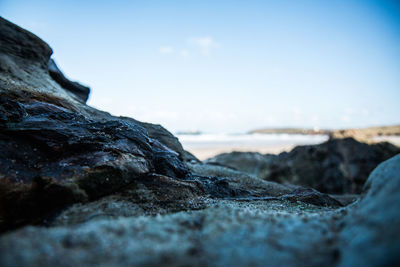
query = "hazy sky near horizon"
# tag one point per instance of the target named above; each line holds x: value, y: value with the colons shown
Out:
x: 228, y: 66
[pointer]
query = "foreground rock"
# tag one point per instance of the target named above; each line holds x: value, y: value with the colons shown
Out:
x: 222, y: 233
x: 96, y: 189
x: 57, y: 151
x: 338, y: 166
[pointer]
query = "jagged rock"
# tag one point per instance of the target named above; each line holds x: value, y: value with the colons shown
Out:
x: 55, y: 149
x: 82, y: 92
x: 221, y: 233
x: 159, y: 133
x: 338, y: 166
x: 47, y: 147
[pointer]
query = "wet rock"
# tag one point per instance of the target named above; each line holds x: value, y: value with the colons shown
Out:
x: 161, y: 134
x: 85, y: 158
x: 338, y: 166
x: 56, y: 150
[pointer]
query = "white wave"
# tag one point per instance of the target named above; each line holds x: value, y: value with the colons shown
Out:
x: 223, y: 139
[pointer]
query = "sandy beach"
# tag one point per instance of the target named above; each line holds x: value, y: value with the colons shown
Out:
x: 205, y: 146
x: 209, y: 152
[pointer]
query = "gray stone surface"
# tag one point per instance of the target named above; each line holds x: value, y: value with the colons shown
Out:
x: 223, y: 233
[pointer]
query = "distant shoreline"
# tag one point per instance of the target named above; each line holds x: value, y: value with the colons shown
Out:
x: 358, y: 133
x: 275, y: 141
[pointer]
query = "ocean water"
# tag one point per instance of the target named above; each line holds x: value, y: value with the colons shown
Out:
x: 248, y: 140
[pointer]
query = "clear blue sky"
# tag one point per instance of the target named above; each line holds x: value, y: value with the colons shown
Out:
x: 228, y: 66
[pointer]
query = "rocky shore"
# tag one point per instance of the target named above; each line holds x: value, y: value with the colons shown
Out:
x: 80, y: 187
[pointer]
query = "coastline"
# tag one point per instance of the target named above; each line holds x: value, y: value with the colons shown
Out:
x: 204, y: 146
x: 209, y: 145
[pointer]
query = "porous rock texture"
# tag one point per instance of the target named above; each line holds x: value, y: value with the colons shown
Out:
x: 80, y: 187
x: 221, y: 233
x: 337, y: 166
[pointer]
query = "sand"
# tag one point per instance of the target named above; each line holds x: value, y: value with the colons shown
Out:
x: 208, y: 152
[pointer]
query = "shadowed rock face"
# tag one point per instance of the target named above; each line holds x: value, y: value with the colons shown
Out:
x: 46, y: 147
x: 337, y: 166
x: 56, y: 150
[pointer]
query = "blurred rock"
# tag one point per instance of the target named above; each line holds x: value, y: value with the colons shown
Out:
x: 338, y: 166
x: 82, y: 92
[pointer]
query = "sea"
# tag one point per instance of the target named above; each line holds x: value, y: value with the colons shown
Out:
x: 205, y: 145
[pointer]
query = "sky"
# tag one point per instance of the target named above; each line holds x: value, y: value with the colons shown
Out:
x: 227, y: 66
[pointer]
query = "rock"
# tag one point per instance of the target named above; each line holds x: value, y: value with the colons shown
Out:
x: 220, y: 233
x: 109, y: 191
x: 46, y: 147
x: 338, y: 166
x: 311, y: 196
x: 82, y: 92
x: 159, y: 133
x: 371, y: 235
x: 56, y: 150
x: 252, y: 163
x: 238, y: 180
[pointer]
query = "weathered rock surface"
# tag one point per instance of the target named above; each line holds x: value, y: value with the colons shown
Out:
x: 222, y: 233
x: 99, y: 190
x: 337, y: 166
x: 56, y: 150
x: 82, y: 92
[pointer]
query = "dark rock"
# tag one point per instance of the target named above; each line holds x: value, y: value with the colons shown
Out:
x: 82, y: 92
x: 57, y: 151
x: 338, y: 166
x: 85, y: 158
x: 249, y: 162
x: 19, y: 43
x: 312, y: 196
x: 161, y: 134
